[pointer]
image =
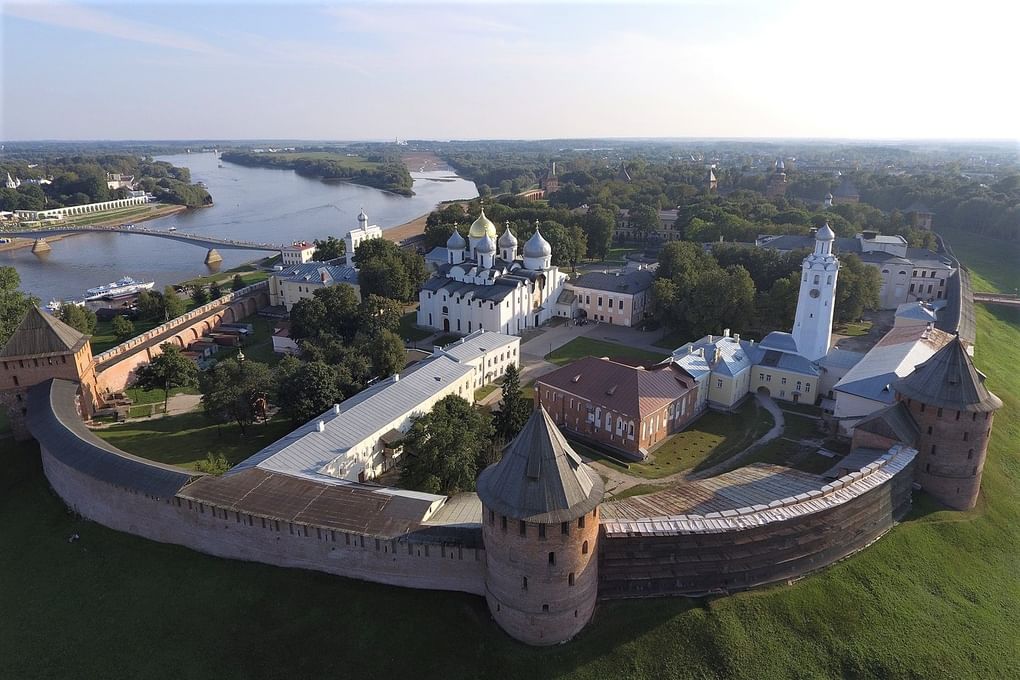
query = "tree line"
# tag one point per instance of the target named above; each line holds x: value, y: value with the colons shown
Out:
x: 388, y: 174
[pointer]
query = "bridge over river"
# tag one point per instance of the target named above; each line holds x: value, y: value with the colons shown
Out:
x: 211, y: 242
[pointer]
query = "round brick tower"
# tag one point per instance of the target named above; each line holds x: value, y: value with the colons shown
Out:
x: 540, y: 525
x: 954, y: 410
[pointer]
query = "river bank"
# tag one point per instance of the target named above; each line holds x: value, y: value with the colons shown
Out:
x: 128, y: 216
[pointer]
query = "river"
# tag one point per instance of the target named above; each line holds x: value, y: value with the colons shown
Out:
x: 254, y: 204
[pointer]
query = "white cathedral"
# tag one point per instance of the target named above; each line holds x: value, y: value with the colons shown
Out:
x: 485, y: 285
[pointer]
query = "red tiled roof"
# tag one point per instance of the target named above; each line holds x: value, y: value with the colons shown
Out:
x: 625, y: 389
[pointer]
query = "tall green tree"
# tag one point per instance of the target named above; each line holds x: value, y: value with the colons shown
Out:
x: 305, y: 390
x: 377, y: 313
x: 330, y: 249
x: 173, y: 305
x: 514, y: 409
x: 445, y: 448
x: 167, y: 370
x: 122, y: 328
x: 237, y: 284
x: 387, y: 352
x: 235, y: 390
x: 79, y: 318
x: 214, y: 290
x: 857, y: 288
x: 14, y: 303
x: 599, y: 225
x: 386, y: 270
x: 644, y: 219
x: 199, y: 295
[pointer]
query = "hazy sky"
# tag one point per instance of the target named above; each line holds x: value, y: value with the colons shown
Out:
x: 733, y: 68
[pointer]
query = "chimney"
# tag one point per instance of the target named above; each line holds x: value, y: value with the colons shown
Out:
x: 320, y: 426
x: 715, y: 356
x: 736, y: 336
x: 710, y: 338
x: 726, y: 332
x: 690, y: 349
x: 396, y: 377
x: 336, y: 409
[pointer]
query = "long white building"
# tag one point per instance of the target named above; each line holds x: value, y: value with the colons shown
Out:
x: 485, y: 285
x: 356, y: 440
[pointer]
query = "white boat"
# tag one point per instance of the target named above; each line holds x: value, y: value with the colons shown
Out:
x: 124, y: 286
x: 172, y: 228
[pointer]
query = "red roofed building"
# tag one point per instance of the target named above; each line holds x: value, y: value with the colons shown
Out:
x: 627, y: 408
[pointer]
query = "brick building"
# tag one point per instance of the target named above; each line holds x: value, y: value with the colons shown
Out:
x: 627, y: 408
x: 44, y: 347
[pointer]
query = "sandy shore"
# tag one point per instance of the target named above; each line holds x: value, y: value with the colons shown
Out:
x: 155, y: 213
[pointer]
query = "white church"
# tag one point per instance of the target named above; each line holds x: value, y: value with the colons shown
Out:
x: 485, y: 285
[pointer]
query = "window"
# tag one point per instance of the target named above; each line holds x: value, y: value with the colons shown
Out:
x: 565, y: 528
x: 570, y: 579
x: 545, y: 608
x: 600, y: 300
x: 524, y: 583
x: 938, y: 414
x: 580, y: 522
x: 970, y: 454
x: 965, y: 435
x: 933, y: 449
x: 718, y: 383
x: 783, y: 381
x: 502, y: 522
x: 552, y: 558
x: 929, y: 429
x: 584, y: 546
x: 492, y: 517
x: 524, y: 528
x: 768, y: 378
x: 541, y: 531
x: 817, y: 279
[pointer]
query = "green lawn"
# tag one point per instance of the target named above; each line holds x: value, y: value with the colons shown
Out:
x: 710, y: 440
x: 186, y: 438
x: 638, y: 490
x: 408, y: 331
x: 249, y: 272
x: 578, y: 348
x: 140, y: 396
x: 484, y: 391
x: 936, y: 598
x: 852, y: 328
x: 994, y: 264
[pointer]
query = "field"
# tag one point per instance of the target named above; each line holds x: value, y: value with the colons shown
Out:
x: 936, y: 598
x: 578, y: 348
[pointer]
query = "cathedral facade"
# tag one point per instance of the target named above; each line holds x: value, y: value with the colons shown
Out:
x: 485, y: 284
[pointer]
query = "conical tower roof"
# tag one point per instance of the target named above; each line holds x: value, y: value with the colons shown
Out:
x: 40, y: 334
x: 950, y: 380
x: 540, y: 478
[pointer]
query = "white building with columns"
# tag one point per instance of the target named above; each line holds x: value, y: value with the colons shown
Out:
x: 355, y: 237
x: 484, y: 284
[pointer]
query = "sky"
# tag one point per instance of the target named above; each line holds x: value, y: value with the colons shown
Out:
x: 866, y: 69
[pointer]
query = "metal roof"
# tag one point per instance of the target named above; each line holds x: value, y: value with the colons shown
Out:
x: 318, y: 272
x: 477, y: 344
x: 630, y: 282
x: 40, y: 334
x: 949, y: 379
x: 306, y: 450
x: 540, y: 478
x: 893, y: 357
x: 54, y: 421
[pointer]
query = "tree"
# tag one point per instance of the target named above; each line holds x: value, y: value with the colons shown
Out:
x: 599, y: 225
x: 514, y: 409
x: 330, y: 249
x: 387, y: 351
x: 214, y: 290
x: 332, y: 310
x: 304, y: 390
x: 167, y: 370
x: 377, y: 313
x: 389, y: 271
x: 14, y: 304
x: 236, y: 390
x: 644, y: 219
x: 79, y: 318
x: 199, y: 295
x: 857, y: 289
x: 444, y: 448
x: 577, y: 246
x: 237, y: 284
x: 122, y: 327
x: 173, y: 305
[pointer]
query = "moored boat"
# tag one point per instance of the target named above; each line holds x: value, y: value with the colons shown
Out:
x: 124, y: 286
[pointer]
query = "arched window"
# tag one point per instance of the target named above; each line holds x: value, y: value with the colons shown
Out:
x: 584, y: 547
x: 570, y: 579
x: 817, y: 279
x: 524, y: 583
x: 970, y: 454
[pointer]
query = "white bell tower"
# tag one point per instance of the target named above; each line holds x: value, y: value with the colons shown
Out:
x: 812, y: 326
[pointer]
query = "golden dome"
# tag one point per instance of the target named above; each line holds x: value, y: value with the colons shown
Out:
x: 481, y: 227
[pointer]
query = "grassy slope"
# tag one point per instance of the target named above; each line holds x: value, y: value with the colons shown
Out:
x: 934, y: 599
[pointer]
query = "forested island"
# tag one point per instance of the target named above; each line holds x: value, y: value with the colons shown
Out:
x: 378, y: 171
x: 55, y: 181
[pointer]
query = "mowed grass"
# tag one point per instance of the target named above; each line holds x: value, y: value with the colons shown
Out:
x: 994, y: 263
x: 935, y: 598
x: 578, y: 348
x: 188, y: 438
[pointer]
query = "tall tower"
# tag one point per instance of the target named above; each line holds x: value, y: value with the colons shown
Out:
x: 812, y: 326
x: 954, y: 410
x: 540, y: 527
x: 776, y: 185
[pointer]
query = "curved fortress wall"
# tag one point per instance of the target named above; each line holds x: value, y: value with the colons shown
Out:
x: 748, y: 547
x: 152, y: 501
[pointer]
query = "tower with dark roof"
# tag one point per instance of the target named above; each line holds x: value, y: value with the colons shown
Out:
x: 540, y: 527
x: 947, y: 398
x: 776, y: 185
x: 44, y: 347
